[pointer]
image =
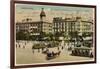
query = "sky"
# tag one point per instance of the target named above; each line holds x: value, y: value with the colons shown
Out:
x: 23, y: 11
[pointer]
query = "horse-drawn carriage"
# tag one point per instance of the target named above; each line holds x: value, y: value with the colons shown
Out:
x: 51, y: 55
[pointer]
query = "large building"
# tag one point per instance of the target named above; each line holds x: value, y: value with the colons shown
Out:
x: 59, y: 24
x: 63, y: 25
x: 72, y: 24
x: 35, y: 28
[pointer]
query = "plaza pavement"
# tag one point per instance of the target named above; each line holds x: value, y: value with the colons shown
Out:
x: 24, y: 55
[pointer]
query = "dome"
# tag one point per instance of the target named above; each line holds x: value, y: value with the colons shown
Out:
x: 42, y: 13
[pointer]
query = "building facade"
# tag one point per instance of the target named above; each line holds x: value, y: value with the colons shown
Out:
x: 72, y: 24
x: 35, y: 28
x: 59, y: 24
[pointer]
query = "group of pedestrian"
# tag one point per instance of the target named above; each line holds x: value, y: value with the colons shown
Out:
x: 38, y: 50
x: 21, y: 45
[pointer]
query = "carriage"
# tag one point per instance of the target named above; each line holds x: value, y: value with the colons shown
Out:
x: 52, y: 55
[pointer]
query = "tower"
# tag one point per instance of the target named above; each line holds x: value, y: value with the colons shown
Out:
x: 42, y: 15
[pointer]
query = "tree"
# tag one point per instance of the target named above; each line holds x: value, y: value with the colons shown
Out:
x: 20, y: 35
x: 73, y: 34
x: 57, y: 35
x: 41, y: 36
x: 50, y: 36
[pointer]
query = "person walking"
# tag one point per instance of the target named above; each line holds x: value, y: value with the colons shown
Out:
x: 23, y: 46
x: 38, y: 50
x: 33, y: 51
x: 62, y: 47
x: 19, y: 45
x: 58, y: 48
x: 16, y: 45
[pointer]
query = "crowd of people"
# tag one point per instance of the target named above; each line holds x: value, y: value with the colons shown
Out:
x: 49, y: 52
x: 21, y: 44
